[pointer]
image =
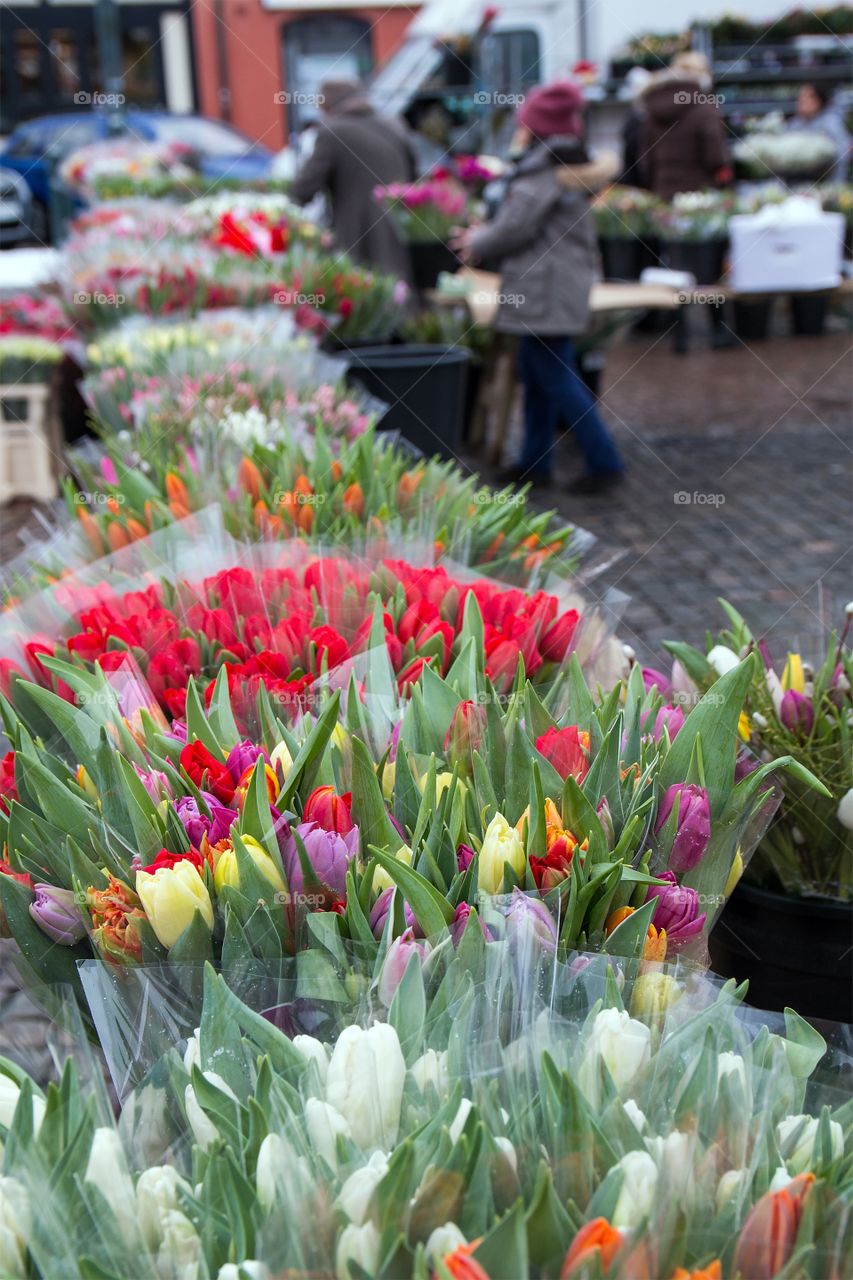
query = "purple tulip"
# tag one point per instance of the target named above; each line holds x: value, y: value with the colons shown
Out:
x: 654, y: 679
x: 155, y: 783
x: 693, y: 828
x: 179, y: 731
x: 797, y: 713
x: 528, y: 921
x: 668, y: 717
x: 745, y: 764
x: 244, y: 756
x: 56, y: 913
x: 197, y: 825
x: 379, y: 914
x: 464, y: 857
x: 329, y: 854
x: 396, y: 962
x: 677, y: 911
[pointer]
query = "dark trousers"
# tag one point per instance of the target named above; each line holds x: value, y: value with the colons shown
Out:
x: 554, y: 390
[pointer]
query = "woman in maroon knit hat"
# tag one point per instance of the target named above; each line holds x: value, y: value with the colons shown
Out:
x: 544, y: 241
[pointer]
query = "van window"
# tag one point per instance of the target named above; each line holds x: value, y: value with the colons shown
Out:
x: 511, y: 60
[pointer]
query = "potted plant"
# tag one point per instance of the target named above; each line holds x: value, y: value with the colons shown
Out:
x: 627, y: 236
x: 693, y: 230
x: 425, y: 213
x: 787, y: 927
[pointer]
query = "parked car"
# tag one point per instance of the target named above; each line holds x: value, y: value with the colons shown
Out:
x: 35, y: 149
x: 16, y: 205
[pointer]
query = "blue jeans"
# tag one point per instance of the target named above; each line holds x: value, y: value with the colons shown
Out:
x: 553, y: 389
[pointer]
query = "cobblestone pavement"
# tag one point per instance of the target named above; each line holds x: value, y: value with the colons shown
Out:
x: 739, y: 484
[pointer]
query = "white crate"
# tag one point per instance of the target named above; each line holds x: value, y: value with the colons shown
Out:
x: 785, y: 258
x: 26, y: 442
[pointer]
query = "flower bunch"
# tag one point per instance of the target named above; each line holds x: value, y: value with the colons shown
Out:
x: 478, y: 171
x: 124, y: 157
x: 425, y: 210
x: 694, y: 215
x: 622, y: 212
x: 26, y: 358
x: 40, y: 316
x: 806, y: 712
x: 795, y: 153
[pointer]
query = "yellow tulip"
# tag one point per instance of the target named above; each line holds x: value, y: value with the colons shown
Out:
x: 744, y: 727
x: 381, y: 878
x: 264, y: 863
x: 793, y: 677
x: 171, y: 896
x: 280, y: 757
x: 734, y: 875
x: 225, y: 871
x: 653, y: 994
x: 501, y: 844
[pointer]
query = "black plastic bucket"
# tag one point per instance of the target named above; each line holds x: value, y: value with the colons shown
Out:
x: 794, y: 951
x: 424, y: 388
x: 752, y: 318
x: 703, y: 258
x: 620, y: 258
x: 808, y: 312
x: 429, y: 260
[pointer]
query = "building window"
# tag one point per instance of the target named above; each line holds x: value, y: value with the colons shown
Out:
x: 316, y: 49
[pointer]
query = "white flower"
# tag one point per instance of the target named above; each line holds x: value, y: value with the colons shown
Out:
x: 324, y: 1122
x: 618, y: 1042
x: 722, y: 659
x: 15, y: 1228
x: 156, y: 1194
x: 357, y: 1244
x: 459, y: 1120
x: 442, y: 1241
x: 431, y: 1068
x: 365, y: 1083
x: 280, y: 1174
x: 729, y: 1186
x: 354, y: 1196
x: 107, y: 1170
x: 796, y: 1137
x: 634, y: 1114
x: 507, y: 1149
x: 180, y: 1253
x: 731, y: 1064
x: 192, y: 1053
x: 673, y: 1156
x: 248, y: 1270
x: 845, y: 810
x: 313, y: 1050
x: 204, y: 1130
x: 637, y: 1194
x: 9, y: 1094
x: 780, y: 1179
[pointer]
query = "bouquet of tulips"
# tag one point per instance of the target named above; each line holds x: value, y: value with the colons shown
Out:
x: 694, y: 216
x: 624, y: 212
x: 633, y: 1123
x: 427, y: 210
x: 803, y: 711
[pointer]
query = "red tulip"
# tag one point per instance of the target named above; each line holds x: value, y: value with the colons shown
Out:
x: 768, y: 1236
x: 566, y: 750
x: 208, y: 773
x: 596, y: 1241
x: 329, y: 810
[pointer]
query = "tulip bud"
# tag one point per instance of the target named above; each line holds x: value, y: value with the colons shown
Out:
x: 735, y: 873
x: 10, y: 1092
x: 157, y: 1191
x: 566, y: 749
x: 442, y: 1241
x: 653, y: 994
x: 313, y: 1050
x: 280, y: 1174
x: 693, y: 825
x: 107, y: 1170
x: 845, y: 810
x: 796, y: 713
x: 56, y: 913
x: 171, y: 897
x: 396, y: 962
x: 355, y: 1195
x: 676, y: 911
x: 796, y: 1137
x: 359, y: 1245
x: 769, y: 1234
x: 617, y: 1042
x: 281, y: 759
x: 251, y: 1269
x: 530, y: 925
x: 722, y: 659
x: 501, y: 844
x: 329, y: 810
x: 367, y: 1072
x: 638, y: 1190
x: 15, y: 1228
x: 204, y: 1130
x: 466, y: 734
x: 431, y: 1069
x: 323, y: 1124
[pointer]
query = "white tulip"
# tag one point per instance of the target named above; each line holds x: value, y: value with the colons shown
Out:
x: 442, y: 1241
x: 248, y: 1270
x: 845, y: 810
x: 634, y: 1114
x: 15, y: 1228
x: 107, y: 1170
x: 459, y: 1120
x: 722, y: 659
x: 192, y: 1053
x: 796, y: 1137
x: 729, y: 1186
x: 156, y: 1194
x: 324, y: 1122
x: 673, y: 1156
x: 431, y: 1068
x: 204, y: 1130
x: 9, y: 1094
x: 781, y: 1178
x: 637, y: 1194
x: 180, y: 1253
x: 355, y: 1194
x: 621, y: 1044
x: 508, y: 1150
x: 280, y: 1174
x: 313, y: 1050
x: 357, y: 1244
x: 731, y: 1064
x: 365, y: 1083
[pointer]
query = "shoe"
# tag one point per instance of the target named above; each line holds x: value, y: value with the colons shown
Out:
x: 596, y: 482
x: 523, y: 475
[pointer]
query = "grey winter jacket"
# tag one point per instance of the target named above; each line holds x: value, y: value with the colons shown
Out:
x: 543, y: 242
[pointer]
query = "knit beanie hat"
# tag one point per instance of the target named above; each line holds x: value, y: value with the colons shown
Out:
x: 553, y: 109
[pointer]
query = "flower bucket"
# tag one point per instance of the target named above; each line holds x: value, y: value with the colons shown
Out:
x: 794, y: 951
x: 703, y: 258
x: 621, y: 259
x: 424, y: 387
x: 429, y: 259
x: 752, y: 318
x: 808, y: 314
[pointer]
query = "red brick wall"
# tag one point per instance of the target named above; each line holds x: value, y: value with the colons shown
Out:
x: 253, y: 43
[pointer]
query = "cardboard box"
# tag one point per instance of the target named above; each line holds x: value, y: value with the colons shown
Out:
x: 785, y: 257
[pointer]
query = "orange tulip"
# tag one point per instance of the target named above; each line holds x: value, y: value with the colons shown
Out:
x: 494, y: 546
x: 596, y: 1240
x: 117, y: 536
x: 462, y: 1266
x: 615, y: 919
x: 354, y: 501
x: 148, y: 512
x: 407, y: 487
x: 249, y: 478
x: 375, y: 525
x: 337, y: 471
x: 113, y: 506
x: 136, y: 529
x: 713, y: 1271
x: 176, y: 490
x: 302, y: 488
x: 438, y: 547
x: 654, y: 948
x: 768, y: 1236
x: 304, y: 517
x: 91, y: 530
x: 179, y: 511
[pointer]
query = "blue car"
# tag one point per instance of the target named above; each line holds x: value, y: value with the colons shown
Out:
x: 34, y: 149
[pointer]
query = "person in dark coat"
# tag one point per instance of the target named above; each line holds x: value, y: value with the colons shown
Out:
x: 542, y: 240
x: 683, y: 139
x: 356, y: 150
